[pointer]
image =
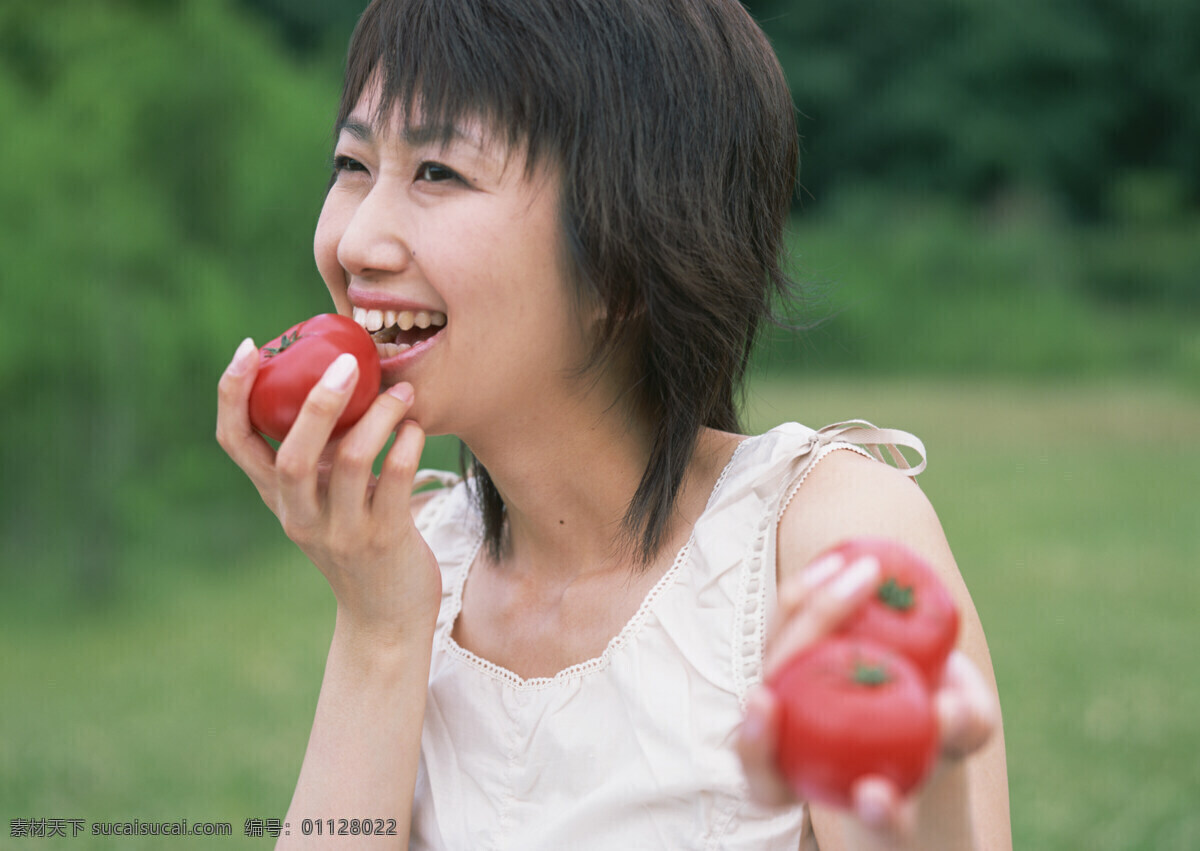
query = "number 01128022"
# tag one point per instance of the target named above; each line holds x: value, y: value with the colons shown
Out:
x: 348, y: 827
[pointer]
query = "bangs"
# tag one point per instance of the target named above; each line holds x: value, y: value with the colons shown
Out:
x: 446, y: 64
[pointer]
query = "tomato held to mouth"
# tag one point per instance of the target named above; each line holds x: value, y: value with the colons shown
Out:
x: 851, y: 709
x: 290, y: 366
x: 911, y: 611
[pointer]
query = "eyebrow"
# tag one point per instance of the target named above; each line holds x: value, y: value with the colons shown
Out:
x: 357, y: 129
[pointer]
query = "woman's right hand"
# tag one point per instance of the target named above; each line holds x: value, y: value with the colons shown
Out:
x: 355, y: 527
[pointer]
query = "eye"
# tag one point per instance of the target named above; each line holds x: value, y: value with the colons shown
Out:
x: 342, y: 163
x: 435, y: 172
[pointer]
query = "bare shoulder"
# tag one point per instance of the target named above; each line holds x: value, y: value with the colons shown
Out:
x: 846, y: 495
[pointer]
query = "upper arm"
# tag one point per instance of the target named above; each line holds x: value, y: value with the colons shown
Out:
x: 846, y: 495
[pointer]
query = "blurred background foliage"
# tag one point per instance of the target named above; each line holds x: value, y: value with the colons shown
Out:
x: 1000, y: 188
x: 999, y: 223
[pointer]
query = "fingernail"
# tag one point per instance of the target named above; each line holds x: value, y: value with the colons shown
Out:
x: 872, y: 809
x: 241, y: 358
x: 402, y: 391
x: 858, y: 575
x: 337, y: 376
x: 821, y: 569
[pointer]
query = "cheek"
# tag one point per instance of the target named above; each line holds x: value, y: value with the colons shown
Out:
x: 325, y: 248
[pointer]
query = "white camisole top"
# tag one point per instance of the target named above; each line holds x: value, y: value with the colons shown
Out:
x: 632, y: 749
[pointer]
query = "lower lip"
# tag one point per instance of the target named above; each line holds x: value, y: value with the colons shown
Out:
x: 407, y: 356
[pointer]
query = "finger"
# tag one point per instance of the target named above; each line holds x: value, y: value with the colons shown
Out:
x: 235, y: 434
x: 967, y: 708
x: 350, y: 476
x: 881, y: 809
x: 300, y: 452
x: 795, y: 591
x: 827, y: 606
x: 393, y: 493
x: 757, y: 745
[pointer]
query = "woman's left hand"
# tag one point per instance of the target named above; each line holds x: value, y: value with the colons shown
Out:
x: 812, y: 604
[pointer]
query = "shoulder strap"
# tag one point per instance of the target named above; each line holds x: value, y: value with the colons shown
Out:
x: 435, y: 477
x: 864, y: 434
x: 431, y: 512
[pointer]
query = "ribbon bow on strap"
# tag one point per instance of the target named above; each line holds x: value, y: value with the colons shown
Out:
x: 864, y: 434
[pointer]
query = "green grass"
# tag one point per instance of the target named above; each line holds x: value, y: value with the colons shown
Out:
x: 1071, y: 510
x: 191, y: 699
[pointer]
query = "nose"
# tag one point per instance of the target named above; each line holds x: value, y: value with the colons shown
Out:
x: 373, y: 241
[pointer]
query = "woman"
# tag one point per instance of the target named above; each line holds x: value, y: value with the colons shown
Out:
x: 565, y: 648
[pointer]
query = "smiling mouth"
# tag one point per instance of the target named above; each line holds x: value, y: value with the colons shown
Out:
x: 396, y: 331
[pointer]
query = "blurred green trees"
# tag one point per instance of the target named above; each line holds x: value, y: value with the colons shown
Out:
x: 166, y: 161
x: 165, y: 167
x: 975, y: 98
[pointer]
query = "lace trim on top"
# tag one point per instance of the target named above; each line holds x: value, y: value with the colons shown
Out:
x: 816, y: 459
x: 597, y: 663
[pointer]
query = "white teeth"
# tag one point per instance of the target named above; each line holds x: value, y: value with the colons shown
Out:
x: 390, y: 350
x: 374, y: 320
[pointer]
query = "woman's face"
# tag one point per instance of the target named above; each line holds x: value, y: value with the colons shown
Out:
x: 455, y: 238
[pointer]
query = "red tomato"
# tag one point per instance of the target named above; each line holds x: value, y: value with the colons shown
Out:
x: 911, y: 610
x: 849, y: 709
x: 291, y: 364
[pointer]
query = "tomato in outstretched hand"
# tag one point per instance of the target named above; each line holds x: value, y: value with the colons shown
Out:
x: 290, y: 366
x: 850, y: 709
x: 911, y: 611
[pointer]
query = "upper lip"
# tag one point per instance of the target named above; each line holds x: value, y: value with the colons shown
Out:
x: 376, y: 300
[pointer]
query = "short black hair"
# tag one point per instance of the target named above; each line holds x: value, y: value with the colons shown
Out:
x: 673, y: 131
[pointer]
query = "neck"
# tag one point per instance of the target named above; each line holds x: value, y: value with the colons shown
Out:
x: 567, y: 480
